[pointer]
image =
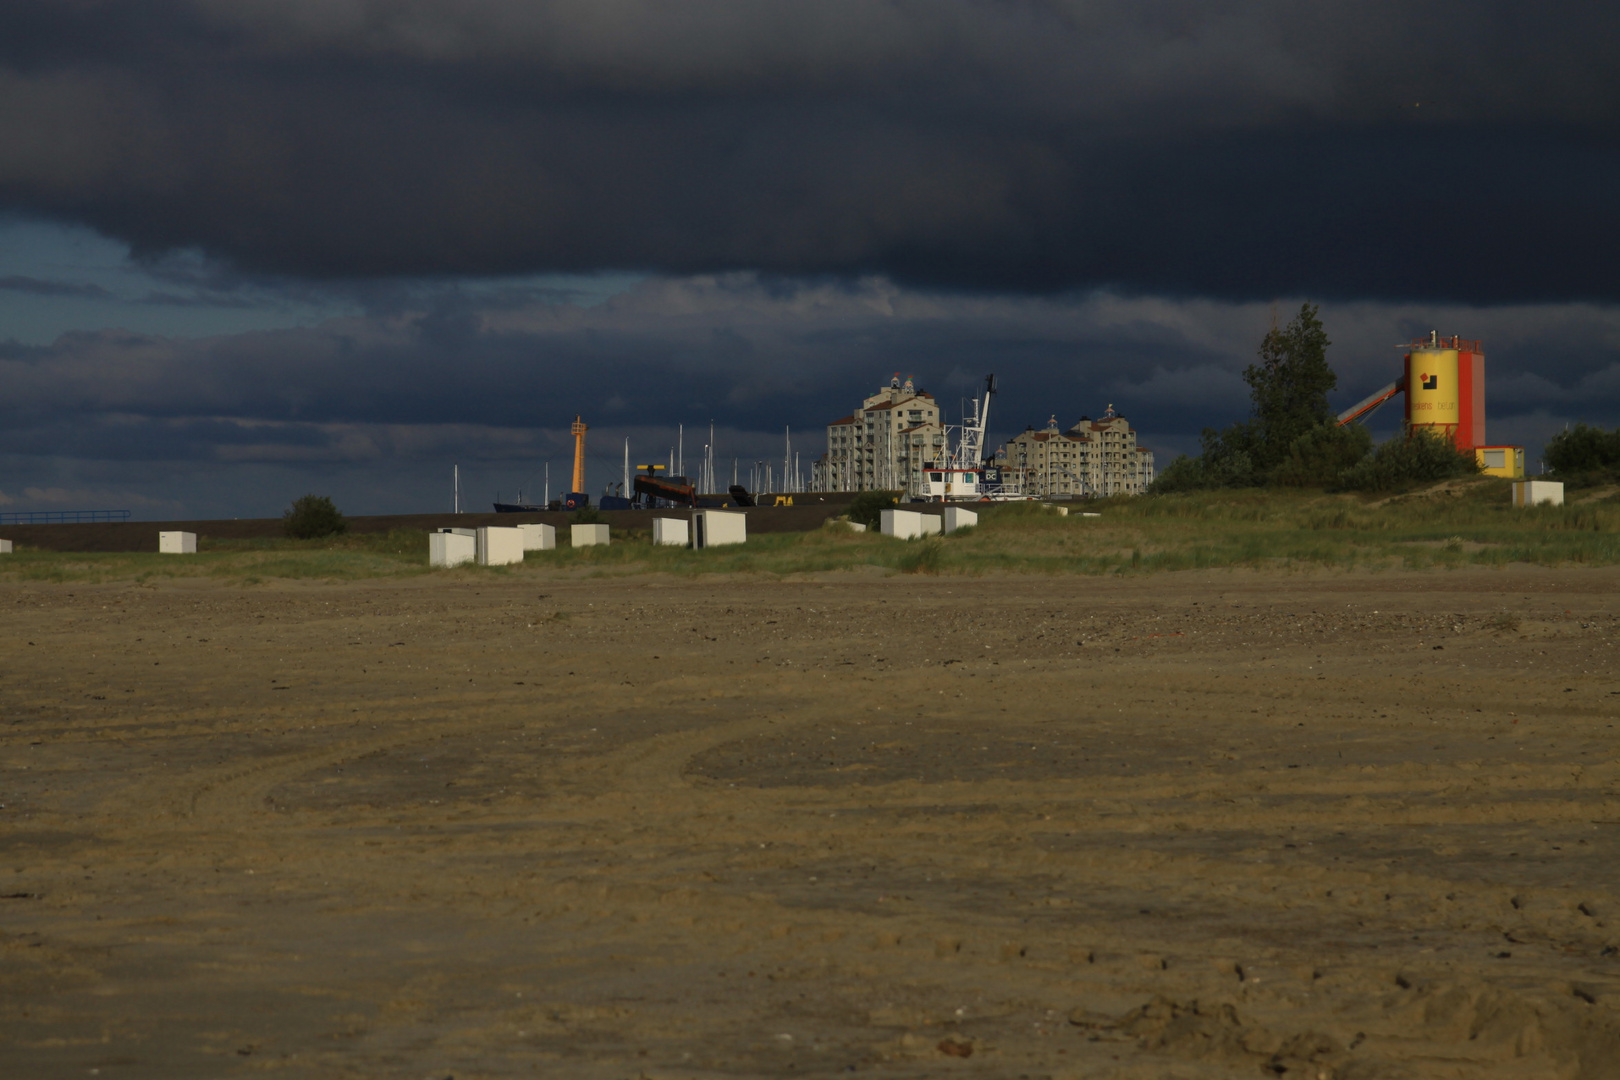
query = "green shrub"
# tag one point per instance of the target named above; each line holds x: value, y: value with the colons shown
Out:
x: 1183, y: 474
x: 1420, y: 456
x: 586, y: 515
x: 1227, y: 462
x: 1320, y: 456
x: 313, y: 517
x: 868, y: 507
x: 1582, y: 449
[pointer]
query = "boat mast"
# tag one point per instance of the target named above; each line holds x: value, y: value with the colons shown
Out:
x: 971, y: 453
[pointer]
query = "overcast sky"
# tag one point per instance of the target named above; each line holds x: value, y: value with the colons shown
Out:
x: 254, y: 248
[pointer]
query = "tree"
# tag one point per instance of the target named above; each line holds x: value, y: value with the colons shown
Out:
x: 1582, y: 449
x: 1289, y: 387
x: 312, y: 517
x: 1291, y: 436
x: 867, y: 507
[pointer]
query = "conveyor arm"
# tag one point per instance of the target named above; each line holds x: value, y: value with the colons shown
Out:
x: 1372, y: 401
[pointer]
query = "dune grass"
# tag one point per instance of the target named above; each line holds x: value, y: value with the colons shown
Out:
x: 367, y: 555
x: 1461, y: 523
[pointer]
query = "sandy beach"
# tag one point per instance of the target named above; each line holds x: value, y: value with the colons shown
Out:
x: 1203, y: 824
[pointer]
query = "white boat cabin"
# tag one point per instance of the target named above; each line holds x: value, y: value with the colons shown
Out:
x: 951, y: 485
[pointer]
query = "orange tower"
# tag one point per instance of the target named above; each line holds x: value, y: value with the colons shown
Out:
x: 579, y: 430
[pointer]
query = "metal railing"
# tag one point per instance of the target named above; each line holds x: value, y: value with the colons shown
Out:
x: 61, y: 517
x: 1461, y: 344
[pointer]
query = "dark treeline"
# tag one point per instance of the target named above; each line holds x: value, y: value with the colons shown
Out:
x: 1583, y: 453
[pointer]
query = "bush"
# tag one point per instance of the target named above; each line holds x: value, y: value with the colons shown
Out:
x: 1421, y: 456
x: 1228, y: 466
x: 1183, y: 474
x: 1582, y: 449
x: 313, y: 517
x: 1320, y: 456
x: 1227, y: 462
x: 869, y: 506
x: 586, y: 515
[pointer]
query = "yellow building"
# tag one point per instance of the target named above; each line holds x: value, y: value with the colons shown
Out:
x: 1505, y: 461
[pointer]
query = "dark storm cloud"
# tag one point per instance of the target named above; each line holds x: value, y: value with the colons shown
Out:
x: 374, y: 409
x: 500, y: 379
x: 1433, y: 149
x: 42, y: 287
x: 191, y: 300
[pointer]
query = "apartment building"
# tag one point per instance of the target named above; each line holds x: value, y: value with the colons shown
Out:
x: 884, y: 444
x: 1092, y: 458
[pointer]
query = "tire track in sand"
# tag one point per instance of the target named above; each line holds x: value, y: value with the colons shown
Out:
x: 232, y: 792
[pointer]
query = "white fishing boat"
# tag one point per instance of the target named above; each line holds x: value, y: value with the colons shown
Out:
x: 963, y: 475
